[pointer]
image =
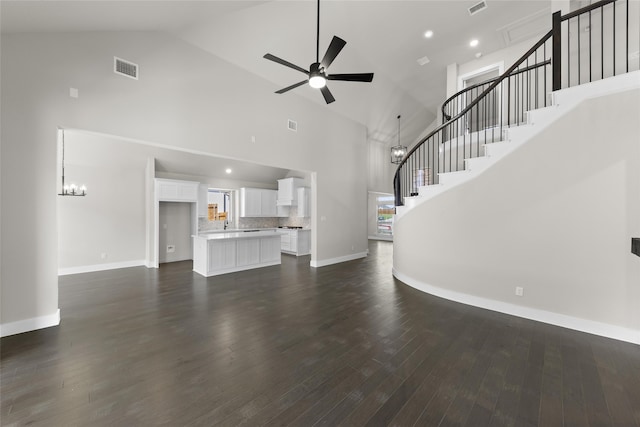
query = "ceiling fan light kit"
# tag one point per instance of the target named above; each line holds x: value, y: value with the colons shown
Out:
x: 317, y: 74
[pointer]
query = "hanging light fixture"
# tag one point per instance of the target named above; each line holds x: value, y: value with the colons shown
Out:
x: 70, y: 190
x: 399, y: 151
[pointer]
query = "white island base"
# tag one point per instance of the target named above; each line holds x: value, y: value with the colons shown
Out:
x: 221, y: 253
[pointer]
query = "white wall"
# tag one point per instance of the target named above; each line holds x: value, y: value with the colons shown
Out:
x: 555, y: 217
x: 508, y: 56
x: 108, y: 225
x: 186, y: 98
x: 380, y: 169
x: 219, y: 183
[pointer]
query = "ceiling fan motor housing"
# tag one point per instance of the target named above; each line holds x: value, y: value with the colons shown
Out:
x: 317, y: 75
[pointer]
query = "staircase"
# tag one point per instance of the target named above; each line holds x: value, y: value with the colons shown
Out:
x: 585, y: 46
x: 533, y: 216
x: 512, y: 138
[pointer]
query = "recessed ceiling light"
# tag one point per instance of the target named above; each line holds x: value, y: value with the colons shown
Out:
x: 473, y: 43
x: 227, y: 170
x: 428, y: 34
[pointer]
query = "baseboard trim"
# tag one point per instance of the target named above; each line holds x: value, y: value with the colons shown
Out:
x: 27, y: 325
x: 101, y: 267
x: 325, y: 262
x: 583, y: 325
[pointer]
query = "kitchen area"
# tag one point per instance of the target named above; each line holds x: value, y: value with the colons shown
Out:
x: 244, y: 228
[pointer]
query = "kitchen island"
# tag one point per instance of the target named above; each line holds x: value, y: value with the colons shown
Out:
x: 230, y: 251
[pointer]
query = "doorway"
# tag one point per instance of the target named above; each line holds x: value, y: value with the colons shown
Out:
x: 175, y: 232
x: 381, y: 216
x: 486, y: 114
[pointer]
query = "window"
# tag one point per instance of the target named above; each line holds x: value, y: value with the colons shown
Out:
x: 386, y: 211
x: 221, y: 199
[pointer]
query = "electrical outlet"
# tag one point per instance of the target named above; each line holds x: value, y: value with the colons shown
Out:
x: 519, y: 291
x: 171, y: 248
x: 103, y: 255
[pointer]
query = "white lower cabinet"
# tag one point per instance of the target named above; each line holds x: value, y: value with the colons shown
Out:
x: 222, y: 254
x: 269, y: 250
x: 304, y: 242
x: 248, y: 252
x: 285, y: 241
x: 214, y: 256
x: 296, y: 242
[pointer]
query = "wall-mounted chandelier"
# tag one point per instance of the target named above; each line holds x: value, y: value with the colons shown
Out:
x: 398, y: 151
x: 71, y: 189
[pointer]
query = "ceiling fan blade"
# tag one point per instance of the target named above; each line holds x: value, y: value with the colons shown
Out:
x: 333, y: 50
x: 273, y: 58
x: 358, y: 77
x: 327, y: 94
x: 293, y: 86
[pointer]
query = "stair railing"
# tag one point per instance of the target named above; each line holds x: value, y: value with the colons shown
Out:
x: 569, y: 54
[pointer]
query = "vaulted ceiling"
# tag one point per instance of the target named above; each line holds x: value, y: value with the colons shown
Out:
x: 384, y: 37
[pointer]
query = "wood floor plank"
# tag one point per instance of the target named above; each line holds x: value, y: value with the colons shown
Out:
x: 347, y: 344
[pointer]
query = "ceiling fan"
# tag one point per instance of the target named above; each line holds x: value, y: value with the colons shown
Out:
x: 317, y: 72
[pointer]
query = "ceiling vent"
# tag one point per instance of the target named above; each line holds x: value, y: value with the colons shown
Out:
x: 125, y: 68
x: 479, y: 7
x: 291, y: 125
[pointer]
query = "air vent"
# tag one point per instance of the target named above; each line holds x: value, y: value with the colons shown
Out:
x: 291, y: 125
x: 125, y: 68
x: 423, y: 61
x: 479, y: 7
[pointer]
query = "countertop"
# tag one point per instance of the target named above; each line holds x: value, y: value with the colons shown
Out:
x: 235, y: 230
x: 244, y: 234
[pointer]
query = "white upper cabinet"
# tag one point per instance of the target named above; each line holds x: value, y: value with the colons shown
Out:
x: 257, y: 202
x: 203, y: 204
x: 304, y: 204
x: 268, y: 203
x: 169, y: 190
x: 288, y: 191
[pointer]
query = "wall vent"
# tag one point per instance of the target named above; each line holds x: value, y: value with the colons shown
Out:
x: 478, y: 7
x: 423, y: 61
x: 291, y: 125
x: 125, y: 68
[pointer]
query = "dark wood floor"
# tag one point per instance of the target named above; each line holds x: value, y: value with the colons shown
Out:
x: 290, y: 345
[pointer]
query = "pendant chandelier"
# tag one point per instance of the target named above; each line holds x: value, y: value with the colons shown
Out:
x: 398, y: 151
x: 72, y: 189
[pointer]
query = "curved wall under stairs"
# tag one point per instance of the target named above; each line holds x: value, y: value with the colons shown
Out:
x: 554, y: 216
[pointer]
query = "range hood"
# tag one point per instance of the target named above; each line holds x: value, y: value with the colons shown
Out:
x: 288, y: 191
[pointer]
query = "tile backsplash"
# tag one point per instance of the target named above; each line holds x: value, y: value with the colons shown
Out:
x: 257, y: 223
x: 205, y: 225
x: 292, y: 221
